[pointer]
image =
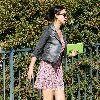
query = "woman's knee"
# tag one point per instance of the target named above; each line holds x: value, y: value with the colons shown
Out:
x: 59, y: 95
x: 47, y: 94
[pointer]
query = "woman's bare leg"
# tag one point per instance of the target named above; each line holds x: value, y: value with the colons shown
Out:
x: 47, y: 94
x: 59, y: 95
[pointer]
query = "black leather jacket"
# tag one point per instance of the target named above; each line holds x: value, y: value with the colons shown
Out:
x: 49, y: 46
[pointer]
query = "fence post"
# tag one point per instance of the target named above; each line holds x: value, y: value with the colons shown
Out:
x: 2, y: 51
x: 78, y: 76
x: 85, y: 75
x: 78, y: 86
x: 11, y: 75
x: 97, y: 56
x: 3, y: 75
x: 90, y: 48
x: 72, y: 97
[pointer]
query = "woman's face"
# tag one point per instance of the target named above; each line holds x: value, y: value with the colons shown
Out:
x: 61, y: 17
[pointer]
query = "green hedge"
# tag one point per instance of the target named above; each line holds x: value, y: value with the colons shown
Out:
x: 22, y: 22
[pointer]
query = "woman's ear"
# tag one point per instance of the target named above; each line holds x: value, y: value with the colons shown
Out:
x: 56, y: 16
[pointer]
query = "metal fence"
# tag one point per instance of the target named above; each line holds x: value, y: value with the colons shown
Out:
x: 11, y: 75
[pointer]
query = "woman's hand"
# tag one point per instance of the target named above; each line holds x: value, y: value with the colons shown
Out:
x: 30, y: 71
x: 73, y: 53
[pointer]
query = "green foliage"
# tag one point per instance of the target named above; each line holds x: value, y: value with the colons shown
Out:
x: 22, y: 21
x: 77, y: 71
x: 21, y: 24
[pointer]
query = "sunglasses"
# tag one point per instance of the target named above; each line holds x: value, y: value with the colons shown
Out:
x: 62, y: 14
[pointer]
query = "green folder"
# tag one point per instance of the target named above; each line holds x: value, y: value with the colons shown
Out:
x: 78, y: 47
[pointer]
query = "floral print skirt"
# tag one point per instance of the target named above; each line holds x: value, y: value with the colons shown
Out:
x: 49, y: 77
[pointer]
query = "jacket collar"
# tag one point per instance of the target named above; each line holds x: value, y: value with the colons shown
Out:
x: 52, y: 27
x: 54, y: 31
x: 56, y: 35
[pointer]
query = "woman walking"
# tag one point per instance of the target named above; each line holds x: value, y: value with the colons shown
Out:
x: 51, y: 49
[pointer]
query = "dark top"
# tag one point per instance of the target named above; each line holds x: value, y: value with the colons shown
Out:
x: 49, y: 46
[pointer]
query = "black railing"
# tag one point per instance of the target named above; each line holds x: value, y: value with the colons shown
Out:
x: 11, y: 74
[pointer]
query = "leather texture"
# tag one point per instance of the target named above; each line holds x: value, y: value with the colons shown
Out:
x: 49, y: 46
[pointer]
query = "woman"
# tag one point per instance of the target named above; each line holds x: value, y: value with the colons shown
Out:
x: 52, y: 51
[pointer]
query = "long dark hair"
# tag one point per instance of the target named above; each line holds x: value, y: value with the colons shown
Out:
x: 50, y: 15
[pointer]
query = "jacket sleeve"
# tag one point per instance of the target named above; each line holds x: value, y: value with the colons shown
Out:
x: 42, y: 41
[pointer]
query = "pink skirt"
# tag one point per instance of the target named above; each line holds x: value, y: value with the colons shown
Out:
x: 49, y: 77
